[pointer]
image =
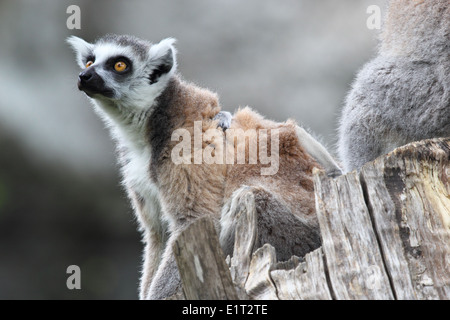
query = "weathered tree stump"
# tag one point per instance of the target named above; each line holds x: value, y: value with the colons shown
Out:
x: 408, y: 196
x: 201, y: 262
x: 385, y: 235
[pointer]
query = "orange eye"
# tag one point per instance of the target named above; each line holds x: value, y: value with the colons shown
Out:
x: 89, y: 63
x: 120, y: 66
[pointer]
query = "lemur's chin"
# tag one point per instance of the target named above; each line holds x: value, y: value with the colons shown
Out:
x: 95, y: 93
x: 100, y: 95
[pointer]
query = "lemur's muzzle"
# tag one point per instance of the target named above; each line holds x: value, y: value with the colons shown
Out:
x: 92, y: 83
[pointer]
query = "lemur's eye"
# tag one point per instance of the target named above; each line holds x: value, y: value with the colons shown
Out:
x: 89, y: 63
x: 120, y: 66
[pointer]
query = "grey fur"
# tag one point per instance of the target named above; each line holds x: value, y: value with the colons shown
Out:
x: 167, y: 280
x: 140, y: 47
x: 287, y: 233
x: 160, y: 127
x: 403, y: 95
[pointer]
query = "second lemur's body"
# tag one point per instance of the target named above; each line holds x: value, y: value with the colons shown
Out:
x: 403, y: 95
x: 135, y: 89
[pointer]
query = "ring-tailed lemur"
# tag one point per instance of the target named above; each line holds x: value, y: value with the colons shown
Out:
x: 403, y: 95
x: 135, y: 89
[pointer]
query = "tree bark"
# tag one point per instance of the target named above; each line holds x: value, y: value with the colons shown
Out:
x: 201, y: 262
x: 385, y: 235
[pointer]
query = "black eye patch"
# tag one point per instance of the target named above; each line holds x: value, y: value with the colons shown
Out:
x: 89, y: 58
x: 111, y: 62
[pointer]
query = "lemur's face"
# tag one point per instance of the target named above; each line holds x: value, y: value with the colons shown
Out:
x: 124, y: 69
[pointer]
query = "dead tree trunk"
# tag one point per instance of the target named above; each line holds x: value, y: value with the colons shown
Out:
x: 385, y: 235
x: 201, y: 262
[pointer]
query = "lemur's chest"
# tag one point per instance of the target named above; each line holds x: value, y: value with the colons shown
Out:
x: 136, y: 170
x: 143, y: 191
x: 142, y: 146
x: 135, y: 159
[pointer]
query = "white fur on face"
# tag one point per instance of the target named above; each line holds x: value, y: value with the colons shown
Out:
x: 135, y: 93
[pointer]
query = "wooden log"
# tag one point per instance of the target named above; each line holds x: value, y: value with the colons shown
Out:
x: 352, y: 255
x: 245, y: 239
x: 201, y: 263
x: 259, y: 284
x: 304, y: 281
x: 408, y: 197
x: 385, y: 235
x: 283, y: 278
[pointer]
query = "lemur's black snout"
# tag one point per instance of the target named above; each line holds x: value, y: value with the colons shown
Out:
x: 85, y: 76
x: 92, y: 83
x: 90, y: 80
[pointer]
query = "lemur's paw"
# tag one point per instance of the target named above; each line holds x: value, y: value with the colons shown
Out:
x: 224, y: 118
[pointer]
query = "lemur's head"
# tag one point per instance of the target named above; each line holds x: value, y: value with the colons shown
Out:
x: 124, y: 70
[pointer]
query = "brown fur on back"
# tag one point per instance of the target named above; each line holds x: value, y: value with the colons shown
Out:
x: 189, y: 191
x: 292, y: 184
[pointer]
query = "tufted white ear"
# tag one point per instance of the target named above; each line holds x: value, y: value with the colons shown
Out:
x: 163, y: 48
x: 82, y: 49
x: 162, y: 57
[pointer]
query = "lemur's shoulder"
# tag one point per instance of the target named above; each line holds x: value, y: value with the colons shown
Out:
x: 179, y: 106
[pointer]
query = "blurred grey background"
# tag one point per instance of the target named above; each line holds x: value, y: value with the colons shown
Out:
x: 60, y: 197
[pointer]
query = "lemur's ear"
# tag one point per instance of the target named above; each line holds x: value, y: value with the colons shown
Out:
x: 82, y: 49
x: 163, y: 59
